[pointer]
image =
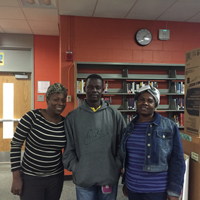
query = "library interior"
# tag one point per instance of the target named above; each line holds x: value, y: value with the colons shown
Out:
x: 129, y: 45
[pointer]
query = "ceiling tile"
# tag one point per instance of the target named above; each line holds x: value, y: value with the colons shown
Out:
x: 9, y: 3
x: 41, y: 14
x: 41, y: 32
x: 76, y: 13
x: 43, y: 25
x: 1, y: 30
x: 11, y: 13
x: 185, y: 10
x: 195, y: 18
x: 77, y: 7
x: 77, y: 4
x: 22, y: 31
x: 43, y: 20
x: 189, y: 1
x: 113, y: 8
x: 149, y: 10
x: 14, y: 24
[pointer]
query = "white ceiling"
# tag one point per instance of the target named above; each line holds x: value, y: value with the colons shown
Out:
x: 19, y: 16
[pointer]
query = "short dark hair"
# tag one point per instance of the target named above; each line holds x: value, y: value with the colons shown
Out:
x: 56, y: 88
x: 95, y: 76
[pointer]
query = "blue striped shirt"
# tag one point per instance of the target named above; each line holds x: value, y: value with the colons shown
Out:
x: 136, y: 179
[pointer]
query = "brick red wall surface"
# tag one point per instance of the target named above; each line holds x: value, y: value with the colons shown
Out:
x: 113, y: 40
x: 107, y: 40
x: 46, y: 63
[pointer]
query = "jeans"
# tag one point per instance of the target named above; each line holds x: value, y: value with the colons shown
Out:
x: 147, y: 196
x: 95, y: 193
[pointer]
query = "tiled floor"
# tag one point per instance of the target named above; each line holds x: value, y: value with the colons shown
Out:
x: 68, y: 192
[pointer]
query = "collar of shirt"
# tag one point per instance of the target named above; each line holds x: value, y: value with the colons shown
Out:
x: 95, y: 109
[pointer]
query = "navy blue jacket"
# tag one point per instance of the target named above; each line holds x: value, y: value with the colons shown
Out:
x: 164, y: 151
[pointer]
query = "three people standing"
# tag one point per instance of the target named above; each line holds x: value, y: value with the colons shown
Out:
x: 97, y: 143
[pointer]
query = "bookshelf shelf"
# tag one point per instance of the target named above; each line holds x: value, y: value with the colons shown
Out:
x: 131, y: 94
x: 156, y: 111
x: 119, y: 76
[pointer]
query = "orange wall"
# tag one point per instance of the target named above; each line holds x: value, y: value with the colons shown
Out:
x: 46, y: 63
x: 106, y: 40
x: 112, y: 40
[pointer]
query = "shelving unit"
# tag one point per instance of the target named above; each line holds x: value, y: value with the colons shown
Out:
x: 119, y: 74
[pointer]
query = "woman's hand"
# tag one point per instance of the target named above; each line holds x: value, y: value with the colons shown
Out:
x: 172, y: 198
x: 124, y: 190
x: 17, y: 183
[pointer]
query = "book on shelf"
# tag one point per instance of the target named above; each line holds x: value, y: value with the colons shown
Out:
x: 133, y: 87
x: 179, y: 119
x: 131, y: 105
x: 80, y: 86
x: 176, y: 120
x: 79, y: 101
x: 105, y: 86
x: 77, y: 87
x: 179, y: 103
x: 128, y: 87
x: 180, y: 87
x: 129, y: 118
x: 108, y: 99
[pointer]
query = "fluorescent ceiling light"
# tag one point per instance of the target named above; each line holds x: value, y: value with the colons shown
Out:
x: 39, y: 3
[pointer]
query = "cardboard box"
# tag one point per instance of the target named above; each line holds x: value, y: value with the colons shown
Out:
x: 193, y: 185
x: 192, y: 92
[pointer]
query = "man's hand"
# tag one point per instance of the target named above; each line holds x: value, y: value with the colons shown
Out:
x: 172, y: 198
x: 124, y: 190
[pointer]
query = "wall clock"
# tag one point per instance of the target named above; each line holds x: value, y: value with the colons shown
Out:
x: 143, y: 37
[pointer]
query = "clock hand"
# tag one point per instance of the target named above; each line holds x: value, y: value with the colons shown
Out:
x: 144, y: 36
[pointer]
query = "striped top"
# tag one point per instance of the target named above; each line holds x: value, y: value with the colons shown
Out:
x: 44, y: 143
x: 136, y: 179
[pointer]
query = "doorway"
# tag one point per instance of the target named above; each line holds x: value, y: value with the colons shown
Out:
x: 22, y: 103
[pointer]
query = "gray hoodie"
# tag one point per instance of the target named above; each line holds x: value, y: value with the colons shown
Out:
x: 93, y: 151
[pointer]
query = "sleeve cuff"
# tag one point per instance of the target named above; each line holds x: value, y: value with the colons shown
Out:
x: 172, y: 194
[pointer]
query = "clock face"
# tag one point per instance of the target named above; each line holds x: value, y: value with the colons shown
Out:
x: 143, y: 37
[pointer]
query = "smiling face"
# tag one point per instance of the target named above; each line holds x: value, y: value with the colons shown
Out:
x: 56, y: 103
x: 145, y: 104
x: 94, y: 90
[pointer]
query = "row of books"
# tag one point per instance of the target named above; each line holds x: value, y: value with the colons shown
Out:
x: 180, y: 87
x: 179, y: 119
x: 131, y: 87
x: 134, y: 86
x: 179, y: 102
x: 81, y: 84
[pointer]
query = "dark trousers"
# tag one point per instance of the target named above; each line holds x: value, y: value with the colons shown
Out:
x: 42, y: 188
x: 147, y: 196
